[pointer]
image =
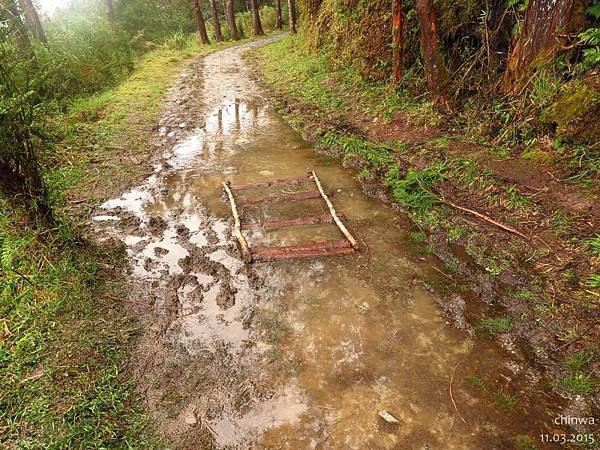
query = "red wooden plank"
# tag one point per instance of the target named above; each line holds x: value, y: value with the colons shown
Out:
x: 296, y: 180
x: 309, y: 220
x: 303, y: 254
x: 297, y: 196
x: 340, y: 243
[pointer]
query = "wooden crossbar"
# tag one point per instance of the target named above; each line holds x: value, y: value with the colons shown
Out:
x: 339, y: 243
x: 303, y: 254
x: 297, y: 196
x: 309, y: 220
x: 296, y: 180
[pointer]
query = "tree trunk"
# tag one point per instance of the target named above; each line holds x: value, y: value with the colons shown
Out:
x: 292, y: 15
x: 500, y: 25
x: 437, y: 77
x: 110, y: 11
x: 10, y: 13
x: 33, y: 20
x: 201, y: 25
x: 214, y: 14
x: 258, y: 29
x: 278, y: 19
x: 397, y: 22
x: 543, y: 34
x: 230, y: 14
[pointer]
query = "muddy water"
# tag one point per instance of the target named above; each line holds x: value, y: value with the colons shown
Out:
x: 305, y: 353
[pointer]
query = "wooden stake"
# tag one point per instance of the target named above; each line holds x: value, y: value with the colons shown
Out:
x: 336, y: 219
x: 246, y: 254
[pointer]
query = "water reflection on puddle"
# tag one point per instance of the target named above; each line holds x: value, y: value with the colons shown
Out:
x: 363, y: 333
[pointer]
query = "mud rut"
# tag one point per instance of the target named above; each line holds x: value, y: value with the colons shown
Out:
x: 300, y: 354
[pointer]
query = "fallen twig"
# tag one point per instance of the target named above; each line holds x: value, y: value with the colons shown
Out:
x: 246, y: 255
x: 336, y: 219
x: 451, y: 396
x: 484, y: 217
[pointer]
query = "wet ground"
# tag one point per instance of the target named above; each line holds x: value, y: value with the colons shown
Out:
x: 305, y: 353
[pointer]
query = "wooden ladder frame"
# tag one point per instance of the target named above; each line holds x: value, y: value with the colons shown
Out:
x: 334, y: 247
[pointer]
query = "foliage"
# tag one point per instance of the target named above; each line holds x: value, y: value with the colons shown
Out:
x: 267, y: 19
x: 494, y: 325
x: 20, y: 175
x: 376, y: 155
x: 414, y: 190
x: 83, y: 56
x: 580, y: 383
x: 591, y: 54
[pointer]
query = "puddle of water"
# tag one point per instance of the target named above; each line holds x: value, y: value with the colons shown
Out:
x: 365, y: 334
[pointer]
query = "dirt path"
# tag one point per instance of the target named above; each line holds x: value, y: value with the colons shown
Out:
x: 300, y: 354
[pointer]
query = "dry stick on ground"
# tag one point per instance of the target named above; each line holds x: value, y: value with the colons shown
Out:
x: 336, y: 219
x: 484, y: 217
x: 246, y: 255
x: 451, y: 396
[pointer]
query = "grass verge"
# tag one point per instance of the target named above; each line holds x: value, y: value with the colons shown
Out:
x: 63, y: 335
x: 461, y: 195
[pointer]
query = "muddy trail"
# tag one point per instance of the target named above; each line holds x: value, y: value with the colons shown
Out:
x: 304, y: 353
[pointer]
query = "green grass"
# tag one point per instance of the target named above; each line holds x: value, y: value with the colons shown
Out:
x: 376, y: 155
x: 64, y: 338
x: 494, y: 325
x: 593, y: 245
x: 525, y: 443
x: 593, y: 281
x: 578, y: 361
x: 579, y: 383
x: 504, y: 399
x: 63, y: 344
x: 500, y: 396
x: 414, y: 190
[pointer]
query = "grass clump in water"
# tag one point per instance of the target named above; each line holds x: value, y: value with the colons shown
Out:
x: 494, y: 325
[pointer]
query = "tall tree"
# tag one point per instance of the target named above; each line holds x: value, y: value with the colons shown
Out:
x: 258, y: 29
x: 214, y: 14
x: 278, y: 19
x: 110, y: 11
x: 230, y: 15
x: 10, y: 13
x: 435, y: 69
x: 397, y: 21
x: 33, y: 20
x: 201, y: 24
x: 292, y: 15
x: 546, y: 26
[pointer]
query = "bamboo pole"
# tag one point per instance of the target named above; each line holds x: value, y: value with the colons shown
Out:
x: 336, y: 219
x: 246, y: 254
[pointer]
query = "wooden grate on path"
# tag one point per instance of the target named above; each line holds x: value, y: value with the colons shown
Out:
x: 327, y: 248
